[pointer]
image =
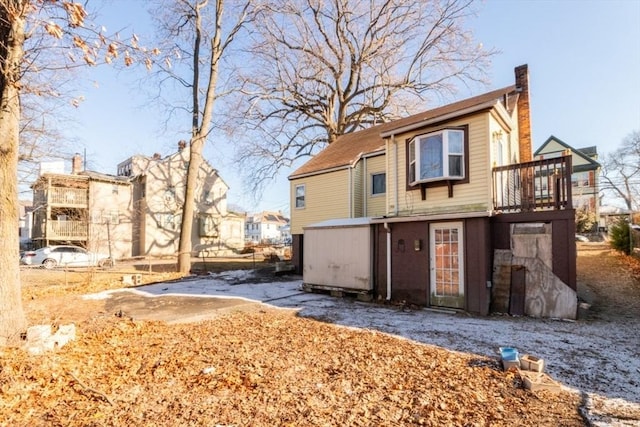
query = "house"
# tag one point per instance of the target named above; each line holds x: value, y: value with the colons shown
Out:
x: 137, y: 212
x: 445, y: 208
x: 84, y: 208
x: 158, y: 186
x: 585, y: 175
x: 265, y: 227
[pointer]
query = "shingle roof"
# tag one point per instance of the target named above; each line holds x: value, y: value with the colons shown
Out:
x: 349, y: 147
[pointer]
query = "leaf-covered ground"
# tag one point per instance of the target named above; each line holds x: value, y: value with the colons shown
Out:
x: 264, y: 368
x: 270, y: 367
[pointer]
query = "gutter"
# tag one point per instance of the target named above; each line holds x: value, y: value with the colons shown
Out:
x: 427, y: 122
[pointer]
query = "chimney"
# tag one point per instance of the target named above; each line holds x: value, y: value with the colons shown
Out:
x: 76, y: 164
x: 524, y: 116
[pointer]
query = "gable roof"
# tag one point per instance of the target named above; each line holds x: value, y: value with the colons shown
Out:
x: 586, y: 154
x: 350, y: 147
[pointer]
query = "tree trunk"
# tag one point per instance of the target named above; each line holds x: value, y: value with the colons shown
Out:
x: 12, y: 319
x: 188, y: 207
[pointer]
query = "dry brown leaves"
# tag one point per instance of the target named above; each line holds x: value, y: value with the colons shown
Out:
x: 263, y: 369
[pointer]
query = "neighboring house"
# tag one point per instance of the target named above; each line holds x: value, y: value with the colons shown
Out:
x: 158, y: 189
x: 445, y: 208
x: 585, y: 172
x: 84, y: 208
x: 138, y: 212
x: 26, y: 223
x: 265, y: 227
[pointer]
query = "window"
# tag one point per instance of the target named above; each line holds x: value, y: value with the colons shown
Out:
x: 437, y: 156
x: 378, y: 183
x: 300, y: 193
x: 580, y: 179
x: 208, y: 226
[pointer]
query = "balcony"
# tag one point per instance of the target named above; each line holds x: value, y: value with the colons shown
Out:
x: 533, y: 186
x: 61, y: 230
x: 61, y: 196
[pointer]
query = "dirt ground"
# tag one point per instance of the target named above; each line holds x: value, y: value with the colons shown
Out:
x: 266, y: 367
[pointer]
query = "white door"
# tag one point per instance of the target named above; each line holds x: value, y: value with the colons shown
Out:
x: 447, y: 265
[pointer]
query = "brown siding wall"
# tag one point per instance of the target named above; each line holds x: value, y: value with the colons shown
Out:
x: 563, y: 238
x: 478, y: 260
x: 410, y: 279
x: 297, y: 255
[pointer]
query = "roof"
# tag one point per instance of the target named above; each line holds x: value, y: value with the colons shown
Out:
x: 348, y: 148
x: 586, y: 153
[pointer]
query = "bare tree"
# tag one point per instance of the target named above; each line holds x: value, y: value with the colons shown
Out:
x: 199, y: 33
x: 320, y: 69
x: 31, y: 33
x: 620, y: 172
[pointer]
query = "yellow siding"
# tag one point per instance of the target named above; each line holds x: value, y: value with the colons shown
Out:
x: 358, y: 189
x: 375, y: 205
x: 473, y: 196
x: 326, y: 197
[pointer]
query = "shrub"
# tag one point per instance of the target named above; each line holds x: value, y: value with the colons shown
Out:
x: 620, y: 237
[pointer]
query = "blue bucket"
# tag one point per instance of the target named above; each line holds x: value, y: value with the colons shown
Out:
x: 508, y: 353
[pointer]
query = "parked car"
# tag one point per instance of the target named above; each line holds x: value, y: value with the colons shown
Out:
x: 65, y: 256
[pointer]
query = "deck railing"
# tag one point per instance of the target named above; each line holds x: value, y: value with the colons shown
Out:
x: 61, y: 196
x: 537, y: 185
x: 62, y: 230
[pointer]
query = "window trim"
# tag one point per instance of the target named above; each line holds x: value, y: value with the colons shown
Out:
x: 304, y: 196
x: 444, y: 182
x: 379, y: 194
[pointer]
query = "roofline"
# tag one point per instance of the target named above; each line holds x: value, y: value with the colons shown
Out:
x: 434, y: 217
x: 436, y: 119
x: 569, y: 147
x: 320, y: 172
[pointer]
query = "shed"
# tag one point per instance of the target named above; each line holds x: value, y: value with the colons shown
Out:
x: 338, y: 255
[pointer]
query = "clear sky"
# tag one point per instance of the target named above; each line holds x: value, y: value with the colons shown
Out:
x: 584, y: 67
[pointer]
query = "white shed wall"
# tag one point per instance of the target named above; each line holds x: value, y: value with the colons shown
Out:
x: 338, y: 257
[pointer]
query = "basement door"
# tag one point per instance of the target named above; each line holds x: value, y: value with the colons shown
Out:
x: 446, y: 265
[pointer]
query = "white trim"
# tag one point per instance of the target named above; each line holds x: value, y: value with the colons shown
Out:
x: 438, y: 119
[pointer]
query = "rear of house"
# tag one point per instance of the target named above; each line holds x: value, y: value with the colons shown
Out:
x: 443, y: 192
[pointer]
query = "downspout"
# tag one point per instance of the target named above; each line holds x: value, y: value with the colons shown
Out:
x: 365, y: 190
x: 395, y: 171
x: 388, y: 230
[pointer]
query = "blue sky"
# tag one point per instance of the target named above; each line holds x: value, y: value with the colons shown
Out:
x: 584, y: 66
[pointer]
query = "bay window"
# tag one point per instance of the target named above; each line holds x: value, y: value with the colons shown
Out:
x: 437, y: 156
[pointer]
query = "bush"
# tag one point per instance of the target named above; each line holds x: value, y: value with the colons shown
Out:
x: 620, y: 236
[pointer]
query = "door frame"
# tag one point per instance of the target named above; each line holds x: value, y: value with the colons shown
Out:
x: 449, y: 301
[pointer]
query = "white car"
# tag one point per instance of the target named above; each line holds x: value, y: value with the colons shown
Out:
x: 65, y: 256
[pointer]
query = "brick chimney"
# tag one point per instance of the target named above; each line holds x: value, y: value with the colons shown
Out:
x: 524, y: 116
x: 76, y: 164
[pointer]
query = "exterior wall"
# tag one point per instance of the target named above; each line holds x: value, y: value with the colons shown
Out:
x: 326, y: 197
x: 410, y: 280
x: 164, y: 191
x: 358, y: 190
x: 468, y: 197
x: 338, y: 257
x: 110, y: 218
x: 375, y: 205
x: 563, y: 246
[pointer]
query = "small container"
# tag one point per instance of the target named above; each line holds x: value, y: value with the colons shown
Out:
x: 508, y: 353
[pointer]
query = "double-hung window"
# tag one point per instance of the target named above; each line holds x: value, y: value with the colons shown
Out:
x: 437, y: 156
x: 300, y: 196
x: 378, y: 183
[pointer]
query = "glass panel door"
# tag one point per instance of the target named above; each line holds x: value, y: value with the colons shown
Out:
x: 447, y: 265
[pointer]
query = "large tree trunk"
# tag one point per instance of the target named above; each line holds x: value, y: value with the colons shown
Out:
x: 12, y: 319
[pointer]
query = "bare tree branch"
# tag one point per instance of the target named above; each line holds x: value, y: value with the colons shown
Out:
x: 322, y: 69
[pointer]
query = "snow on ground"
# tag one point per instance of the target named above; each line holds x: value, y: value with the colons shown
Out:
x: 599, y: 359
